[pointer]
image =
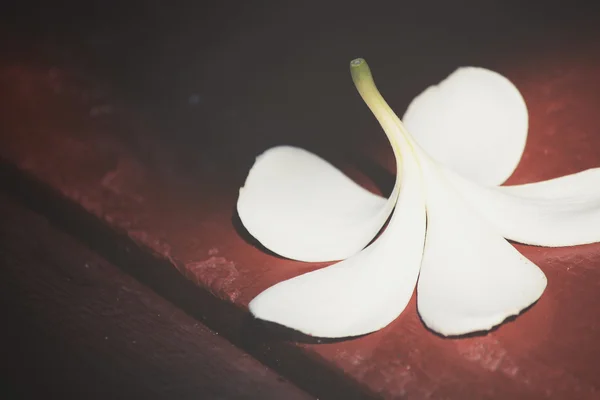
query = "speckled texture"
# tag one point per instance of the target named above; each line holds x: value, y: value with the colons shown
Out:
x: 188, y: 220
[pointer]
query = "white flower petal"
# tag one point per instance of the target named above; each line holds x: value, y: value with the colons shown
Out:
x: 471, y: 278
x: 584, y: 183
x: 301, y: 207
x: 474, y: 122
x: 363, y: 293
x: 559, y: 212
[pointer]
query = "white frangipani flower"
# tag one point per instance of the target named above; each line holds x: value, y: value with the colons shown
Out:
x: 449, y: 220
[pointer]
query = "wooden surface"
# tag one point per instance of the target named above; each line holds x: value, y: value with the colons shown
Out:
x: 75, y: 326
x: 153, y: 184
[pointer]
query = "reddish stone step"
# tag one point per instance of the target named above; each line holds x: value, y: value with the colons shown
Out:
x: 76, y: 326
x: 62, y: 144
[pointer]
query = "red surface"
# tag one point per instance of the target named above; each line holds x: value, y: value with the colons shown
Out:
x: 188, y: 219
x: 75, y: 326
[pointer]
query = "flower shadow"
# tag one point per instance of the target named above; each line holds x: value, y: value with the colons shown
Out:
x: 242, y: 232
x: 380, y: 177
x: 273, y: 332
x: 480, y: 333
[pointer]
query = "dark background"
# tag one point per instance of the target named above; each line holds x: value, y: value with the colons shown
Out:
x: 267, y: 72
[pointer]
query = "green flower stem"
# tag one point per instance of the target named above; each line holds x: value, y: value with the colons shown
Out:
x: 389, y: 121
x: 363, y: 80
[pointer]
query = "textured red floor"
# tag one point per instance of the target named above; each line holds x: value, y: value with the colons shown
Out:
x: 179, y: 205
x: 75, y: 326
